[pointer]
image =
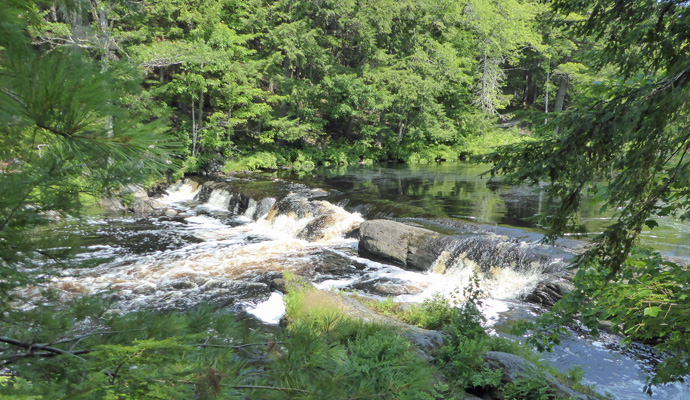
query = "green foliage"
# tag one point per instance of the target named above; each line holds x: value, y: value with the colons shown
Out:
x: 645, y: 302
x: 463, y: 352
x: 65, y: 136
x: 435, y: 313
x: 480, y: 144
x: 629, y: 131
x: 527, y: 389
x: 331, y: 355
x: 251, y: 162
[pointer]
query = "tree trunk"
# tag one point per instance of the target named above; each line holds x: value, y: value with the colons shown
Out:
x: 401, y: 131
x: 286, y: 75
x: 546, y: 102
x: 193, y: 129
x: 201, y: 109
x: 350, y: 126
x: 528, y: 86
x: 562, y: 90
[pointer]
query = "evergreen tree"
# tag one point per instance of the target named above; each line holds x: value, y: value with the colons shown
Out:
x: 631, y: 133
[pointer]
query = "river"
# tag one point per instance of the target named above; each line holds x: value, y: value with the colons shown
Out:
x: 223, y: 240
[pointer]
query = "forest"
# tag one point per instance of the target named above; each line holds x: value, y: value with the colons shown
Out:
x: 591, y: 98
x: 271, y: 84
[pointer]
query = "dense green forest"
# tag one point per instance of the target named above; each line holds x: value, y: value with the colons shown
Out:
x: 591, y: 97
x: 272, y: 83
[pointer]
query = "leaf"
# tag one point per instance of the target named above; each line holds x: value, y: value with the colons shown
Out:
x: 651, y: 224
x: 652, y: 311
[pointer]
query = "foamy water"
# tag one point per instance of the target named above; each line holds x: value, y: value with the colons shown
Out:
x: 229, y: 256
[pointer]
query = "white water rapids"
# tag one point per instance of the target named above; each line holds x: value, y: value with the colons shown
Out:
x: 225, y: 249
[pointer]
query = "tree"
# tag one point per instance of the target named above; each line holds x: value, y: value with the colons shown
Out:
x: 56, y: 142
x: 64, y: 135
x: 631, y: 132
x: 501, y: 28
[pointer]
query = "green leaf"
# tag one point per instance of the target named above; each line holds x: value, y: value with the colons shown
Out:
x: 651, y: 224
x: 652, y: 311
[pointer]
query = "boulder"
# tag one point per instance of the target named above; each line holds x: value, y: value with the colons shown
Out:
x: 111, y: 204
x: 423, y: 249
x: 547, y: 293
x: 412, y: 247
x: 515, y: 368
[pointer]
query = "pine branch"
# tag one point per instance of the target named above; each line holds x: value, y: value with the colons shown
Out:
x: 33, y: 351
x: 235, y: 346
x: 270, y: 388
x: 281, y: 389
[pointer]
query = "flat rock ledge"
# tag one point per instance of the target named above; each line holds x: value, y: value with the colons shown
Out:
x: 409, y: 246
x: 352, y: 308
x: 422, y: 249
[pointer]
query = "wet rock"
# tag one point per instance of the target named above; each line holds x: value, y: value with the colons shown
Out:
x: 334, y: 264
x: 423, y: 249
x: 547, y: 293
x: 263, y: 207
x: 387, y: 287
x: 297, y: 208
x: 514, y: 368
x: 283, y: 286
x: 228, y: 198
x: 412, y: 247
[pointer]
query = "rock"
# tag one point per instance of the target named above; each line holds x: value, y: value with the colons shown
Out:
x: 331, y: 222
x: 284, y: 286
x: 387, y: 287
x: 547, y: 293
x: 422, y: 249
x: 263, y: 207
x: 297, y: 207
x: 111, y: 204
x: 515, y: 367
x: 332, y: 264
x: 353, y: 308
x: 412, y: 247
x: 136, y: 191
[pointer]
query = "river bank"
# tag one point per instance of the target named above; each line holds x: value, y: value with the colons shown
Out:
x: 231, y: 237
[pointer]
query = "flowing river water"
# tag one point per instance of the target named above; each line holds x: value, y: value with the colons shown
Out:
x: 223, y: 241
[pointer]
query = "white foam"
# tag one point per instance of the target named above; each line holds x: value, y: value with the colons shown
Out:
x: 180, y: 192
x: 271, y: 310
x: 218, y: 200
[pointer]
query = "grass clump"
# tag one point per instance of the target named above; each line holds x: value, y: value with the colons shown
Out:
x: 432, y: 313
x: 338, y: 357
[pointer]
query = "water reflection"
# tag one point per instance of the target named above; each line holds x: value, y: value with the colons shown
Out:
x: 459, y: 191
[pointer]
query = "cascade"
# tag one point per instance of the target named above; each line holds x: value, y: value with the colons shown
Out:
x: 231, y: 238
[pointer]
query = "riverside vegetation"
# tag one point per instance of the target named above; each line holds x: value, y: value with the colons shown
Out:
x: 99, y: 94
